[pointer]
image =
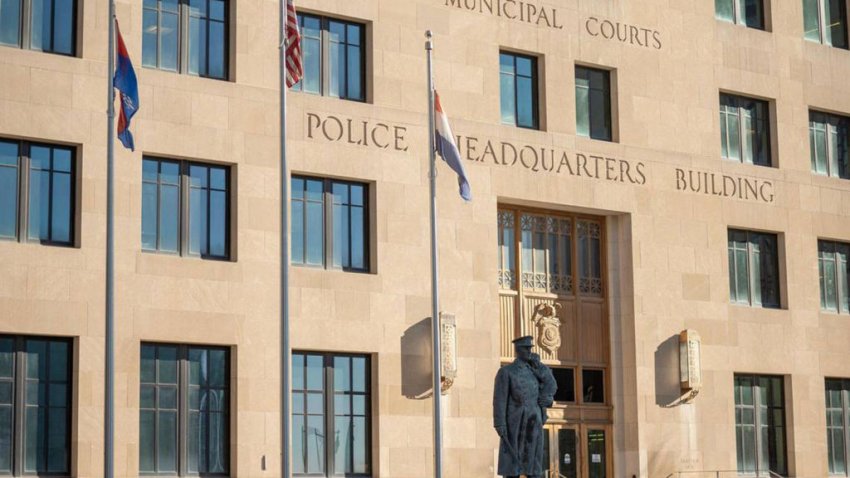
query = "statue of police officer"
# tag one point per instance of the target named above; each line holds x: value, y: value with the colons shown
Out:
x: 523, y: 391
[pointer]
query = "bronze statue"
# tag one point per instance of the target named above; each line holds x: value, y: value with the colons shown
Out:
x: 523, y: 391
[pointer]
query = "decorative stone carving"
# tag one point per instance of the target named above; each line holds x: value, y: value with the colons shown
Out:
x: 548, y: 323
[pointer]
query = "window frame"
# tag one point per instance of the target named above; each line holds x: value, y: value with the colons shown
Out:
x: 184, y: 206
x: 828, y: 123
x: 24, y: 167
x: 25, y: 29
x: 738, y: 102
x: 737, y: 6
x: 19, y: 405
x: 761, y: 399
x: 609, y: 102
x: 324, y: 60
x: 183, y: 409
x: 823, y: 25
x: 328, y: 225
x: 843, y: 386
x: 329, y: 410
x: 535, y: 89
x: 840, y: 283
x: 184, y: 15
x: 750, y: 278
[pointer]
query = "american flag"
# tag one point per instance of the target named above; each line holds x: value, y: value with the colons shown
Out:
x: 294, y: 69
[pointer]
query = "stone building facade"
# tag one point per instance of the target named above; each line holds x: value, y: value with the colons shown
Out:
x: 638, y: 168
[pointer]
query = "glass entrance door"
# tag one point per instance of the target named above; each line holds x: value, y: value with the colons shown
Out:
x: 567, y: 453
x: 576, y: 451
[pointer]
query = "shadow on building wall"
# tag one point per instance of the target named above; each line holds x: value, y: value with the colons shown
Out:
x: 416, y: 360
x: 667, y: 391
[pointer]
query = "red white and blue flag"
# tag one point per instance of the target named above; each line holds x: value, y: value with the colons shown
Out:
x: 447, y: 148
x: 294, y: 67
x: 128, y: 88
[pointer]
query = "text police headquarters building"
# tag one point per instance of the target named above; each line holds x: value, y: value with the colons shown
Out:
x: 638, y: 168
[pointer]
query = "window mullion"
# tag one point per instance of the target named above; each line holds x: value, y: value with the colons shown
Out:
x: 182, y: 29
x: 182, y: 416
x: 20, y: 406
x: 330, y: 463
x: 23, y: 193
x: 327, y: 220
x: 845, y: 408
x: 26, y: 28
x: 324, y: 35
x: 184, y: 185
x: 742, y: 140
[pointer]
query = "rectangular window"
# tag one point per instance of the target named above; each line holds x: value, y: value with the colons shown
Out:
x: 829, y: 143
x: 593, y: 103
x: 825, y: 21
x: 330, y: 224
x: 51, y: 26
x: 186, y: 36
x: 834, y: 278
x: 331, y: 415
x: 334, y: 58
x: 37, y: 192
x: 186, y: 208
x: 35, y: 392
x: 838, y: 425
x: 753, y: 269
x: 749, y: 13
x: 565, y: 378
x: 184, y: 405
x: 593, y: 386
x: 744, y: 130
x: 760, y: 424
x: 518, y: 85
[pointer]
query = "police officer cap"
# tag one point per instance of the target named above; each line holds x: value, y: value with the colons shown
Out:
x: 525, y: 341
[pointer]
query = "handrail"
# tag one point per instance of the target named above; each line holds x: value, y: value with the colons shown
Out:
x: 770, y: 473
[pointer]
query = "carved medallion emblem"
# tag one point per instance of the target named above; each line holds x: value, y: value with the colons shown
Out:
x: 548, y: 326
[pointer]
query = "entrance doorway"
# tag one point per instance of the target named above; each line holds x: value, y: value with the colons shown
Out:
x: 577, y: 451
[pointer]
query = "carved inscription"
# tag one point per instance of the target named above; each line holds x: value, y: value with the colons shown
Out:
x: 366, y: 133
x: 517, y: 10
x: 702, y: 182
x: 550, y: 160
x: 623, y: 32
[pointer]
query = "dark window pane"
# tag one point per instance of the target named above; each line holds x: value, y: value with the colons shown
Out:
x: 167, y: 441
x: 724, y: 10
x: 168, y: 41
x: 811, y: 20
x: 169, y: 217
x: 10, y: 22
x: 61, y: 208
x: 218, y: 224
x: 525, y: 101
x: 40, y: 19
x: 565, y: 378
x: 149, y: 38
x: 197, y: 45
x: 39, y: 203
x: 63, y: 26
x: 593, y: 386
x: 8, y: 186
x: 835, y: 13
x: 218, y: 49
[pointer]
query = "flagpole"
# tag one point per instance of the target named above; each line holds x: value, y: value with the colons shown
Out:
x: 109, y: 398
x: 436, y: 355
x: 285, y: 351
